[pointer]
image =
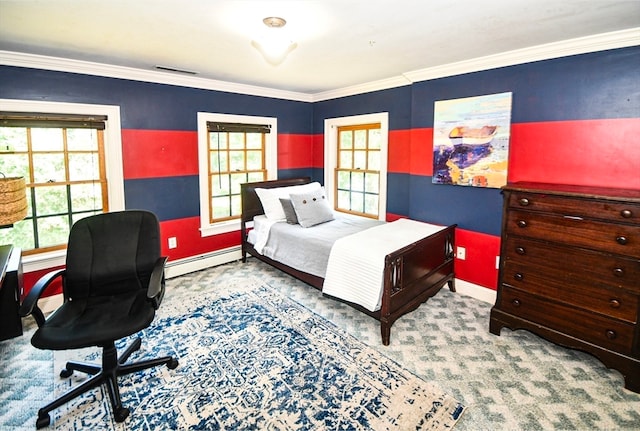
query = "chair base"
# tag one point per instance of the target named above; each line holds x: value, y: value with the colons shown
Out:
x: 112, y: 368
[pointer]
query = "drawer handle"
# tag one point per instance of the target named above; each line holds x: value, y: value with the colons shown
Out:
x: 524, y: 202
x: 518, y: 276
x: 626, y: 213
x: 522, y: 223
x: 622, y: 240
x: 520, y: 250
x: 611, y: 334
x: 614, y: 303
x: 618, y: 272
x: 516, y: 302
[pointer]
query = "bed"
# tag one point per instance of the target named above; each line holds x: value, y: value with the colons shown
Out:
x: 410, y: 274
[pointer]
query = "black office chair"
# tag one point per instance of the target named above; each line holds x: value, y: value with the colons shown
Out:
x: 112, y: 285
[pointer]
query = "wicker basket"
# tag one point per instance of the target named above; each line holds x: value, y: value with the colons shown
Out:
x: 13, y: 200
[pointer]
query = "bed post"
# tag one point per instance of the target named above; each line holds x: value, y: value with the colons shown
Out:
x: 243, y: 239
x: 449, y: 254
x: 385, y: 331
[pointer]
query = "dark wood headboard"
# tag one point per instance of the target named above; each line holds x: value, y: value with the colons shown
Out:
x: 251, y: 205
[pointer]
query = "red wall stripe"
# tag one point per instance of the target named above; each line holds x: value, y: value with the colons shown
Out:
x: 166, y: 153
x: 295, y: 151
x: 583, y: 152
x: 479, y: 265
x: 586, y: 152
x: 393, y: 217
x: 159, y: 153
x: 421, y: 162
x: 399, y: 151
x: 31, y: 278
x: 189, y: 241
x: 318, y: 151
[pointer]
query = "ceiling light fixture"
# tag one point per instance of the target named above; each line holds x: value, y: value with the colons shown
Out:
x: 274, y: 44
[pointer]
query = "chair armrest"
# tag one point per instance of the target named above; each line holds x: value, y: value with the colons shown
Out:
x: 30, y: 304
x: 155, y: 292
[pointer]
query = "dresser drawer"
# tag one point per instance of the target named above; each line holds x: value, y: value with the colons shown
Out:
x: 537, y: 280
x: 590, y: 269
x: 616, y: 211
x: 593, y: 328
x: 619, y: 239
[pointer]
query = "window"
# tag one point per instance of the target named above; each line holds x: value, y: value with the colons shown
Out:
x: 62, y: 161
x: 233, y: 150
x: 236, y: 156
x: 356, y: 164
x: 71, y: 158
x: 358, y: 169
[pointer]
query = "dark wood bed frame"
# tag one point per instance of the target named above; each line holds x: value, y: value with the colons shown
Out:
x: 412, y: 274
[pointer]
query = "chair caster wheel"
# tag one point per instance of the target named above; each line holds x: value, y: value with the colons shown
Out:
x: 66, y: 373
x: 43, y: 421
x: 172, y: 364
x: 121, y: 414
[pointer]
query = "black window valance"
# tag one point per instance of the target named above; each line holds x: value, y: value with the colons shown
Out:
x: 238, y: 127
x: 44, y: 120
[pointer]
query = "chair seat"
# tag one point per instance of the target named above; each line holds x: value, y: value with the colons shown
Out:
x: 79, y: 323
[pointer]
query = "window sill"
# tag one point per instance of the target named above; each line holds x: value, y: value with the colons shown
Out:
x: 44, y: 261
x: 220, y: 228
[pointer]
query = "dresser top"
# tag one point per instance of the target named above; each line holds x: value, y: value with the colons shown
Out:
x: 574, y: 190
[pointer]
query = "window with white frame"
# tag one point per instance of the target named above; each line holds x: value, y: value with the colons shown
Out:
x: 356, y: 164
x: 232, y: 149
x: 71, y: 158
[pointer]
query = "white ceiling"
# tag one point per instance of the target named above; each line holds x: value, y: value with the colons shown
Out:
x: 340, y: 43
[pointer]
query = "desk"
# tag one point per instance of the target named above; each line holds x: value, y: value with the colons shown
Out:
x: 10, y: 291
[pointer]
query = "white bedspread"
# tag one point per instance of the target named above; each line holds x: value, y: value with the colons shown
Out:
x: 356, y: 262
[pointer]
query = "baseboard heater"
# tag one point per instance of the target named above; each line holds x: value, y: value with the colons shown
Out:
x: 179, y: 267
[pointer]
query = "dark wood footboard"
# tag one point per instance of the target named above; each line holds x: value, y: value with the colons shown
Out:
x: 412, y: 274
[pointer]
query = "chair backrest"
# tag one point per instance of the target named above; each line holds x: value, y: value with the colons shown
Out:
x: 111, y: 253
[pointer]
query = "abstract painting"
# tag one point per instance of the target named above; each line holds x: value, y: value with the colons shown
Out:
x: 471, y: 140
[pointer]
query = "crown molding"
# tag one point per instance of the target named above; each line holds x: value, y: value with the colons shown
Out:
x: 368, y: 87
x: 9, y: 58
x: 582, y: 45
x: 599, y: 42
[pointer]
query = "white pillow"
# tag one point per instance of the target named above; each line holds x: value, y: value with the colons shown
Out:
x: 312, y: 208
x: 270, y: 198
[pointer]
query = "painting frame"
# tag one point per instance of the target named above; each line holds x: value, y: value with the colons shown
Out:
x: 471, y: 138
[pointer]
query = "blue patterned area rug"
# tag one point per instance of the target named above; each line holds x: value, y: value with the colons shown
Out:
x: 254, y: 359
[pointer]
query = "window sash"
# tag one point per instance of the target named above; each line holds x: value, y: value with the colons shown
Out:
x: 357, y: 185
x: 232, y: 158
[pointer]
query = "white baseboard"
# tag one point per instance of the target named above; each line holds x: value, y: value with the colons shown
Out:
x: 476, y: 291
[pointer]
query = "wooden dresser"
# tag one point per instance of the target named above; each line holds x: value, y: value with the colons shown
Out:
x: 570, y: 270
